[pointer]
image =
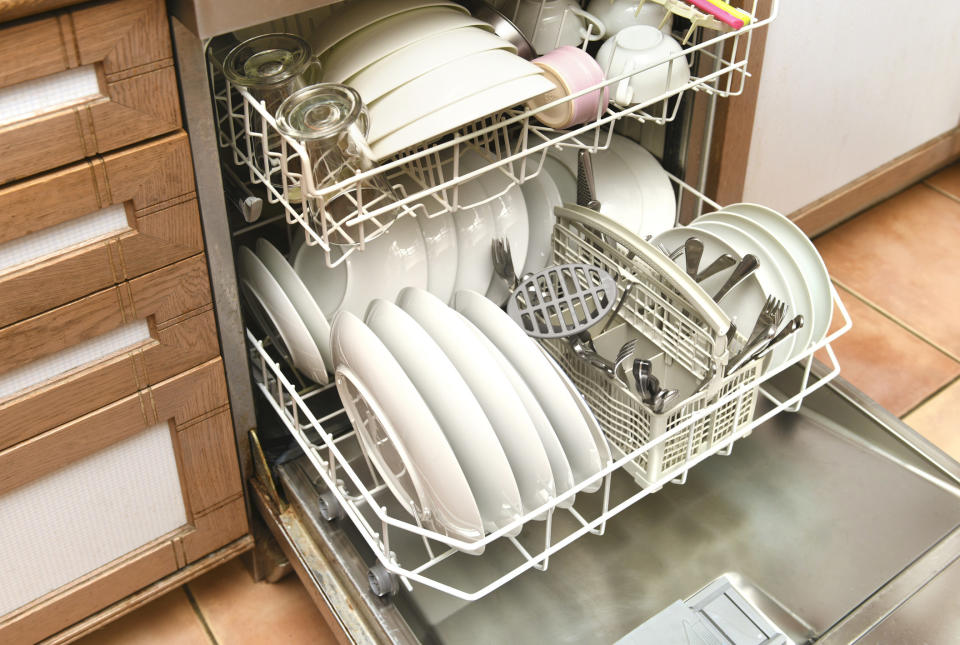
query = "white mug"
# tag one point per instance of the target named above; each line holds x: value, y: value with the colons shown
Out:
x: 617, y: 15
x: 549, y: 24
x: 638, y: 48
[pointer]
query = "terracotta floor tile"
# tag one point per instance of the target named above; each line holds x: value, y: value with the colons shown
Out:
x: 947, y: 180
x: 902, y: 256
x: 937, y: 420
x: 240, y: 611
x: 167, y: 620
x: 894, y: 367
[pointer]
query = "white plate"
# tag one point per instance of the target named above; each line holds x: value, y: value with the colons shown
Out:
x: 327, y: 285
x: 806, y: 255
x: 474, y: 230
x: 522, y: 352
x: 744, y: 301
x: 365, y: 47
x: 509, y: 221
x: 303, y: 349
x: 440, y: 241
x: 395, y: 260
x: 659, y: 201
x: 792, y: 272
x: 417, y: 462
x: 298, y: 294
x: 347, y: 19
x: 503, y: 408
x: 771, y: 278
x: 619, y: 194
x: 467, y: 110
x: 563, y: 179
x: 446, y: 84
x: 455, y: 408
x: 419, y: 58
x: 541, y: 196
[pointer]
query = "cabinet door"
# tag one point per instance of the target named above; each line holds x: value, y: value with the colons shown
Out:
x: 110, y: 502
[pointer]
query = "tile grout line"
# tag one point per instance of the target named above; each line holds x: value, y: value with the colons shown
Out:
x: 199, y: 613
x: 903, y: 325
x: 935, y: 393
x: 942, y: 192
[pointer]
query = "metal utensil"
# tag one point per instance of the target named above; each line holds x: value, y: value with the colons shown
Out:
x: 692, y: 253
x: 747, y: 266
x: 662, y: 398
x: 771, y: 315
x: 724, y: 261
x: 619, y: 305
x: 582, y: 346
x: 624, y: 355
x: 642, y: 369
x: 502, y: 26
x: 757, y: 342
x: 586, y: 186
x: 562, y: 301
x: 503, y: 262
x: 792, y: 326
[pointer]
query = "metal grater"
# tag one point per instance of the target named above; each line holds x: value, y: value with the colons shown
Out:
x: 562, y: 301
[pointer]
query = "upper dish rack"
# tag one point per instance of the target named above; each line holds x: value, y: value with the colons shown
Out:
x: 426, y: 178
x: 700, y: 426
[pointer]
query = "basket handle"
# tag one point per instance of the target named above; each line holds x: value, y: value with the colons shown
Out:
x: 693, y: 293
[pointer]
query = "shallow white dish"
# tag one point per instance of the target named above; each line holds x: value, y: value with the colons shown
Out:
x: 467, y: 110
x: 419, y: 58
x: 503, y: 408
x: 368, y: 45
x: 522, y: 352
x: 347, y: 19
x: 541, y: 196
x: 455, y: 408
x: 475, y: 229
x: 792, y: 272
x: 744, y: 301
x: 395, y: 260
x: 800, y: 248
x: 770, y: 276
x: 440, y: 241
x: 563, y: 178
x: 303, y: 349
x: 417, y: 462
x: 327, y: 285
x: 659, y: 201
x: 619, y: 194
x: 509, y: 211
x: 298, y: 294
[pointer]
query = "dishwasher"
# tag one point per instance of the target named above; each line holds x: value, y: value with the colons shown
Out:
x: 819, y: 516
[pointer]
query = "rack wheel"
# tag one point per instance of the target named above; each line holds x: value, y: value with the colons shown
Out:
x: 329, y: 506
x: 382, y: 582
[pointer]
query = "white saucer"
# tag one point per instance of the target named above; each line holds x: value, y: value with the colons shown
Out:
x: 415, y: 459
x: 298, y: 294
x: 541, y: 196
x: 522, y: 352
x: 502, y: 406
x: 303, y: 349
x: 455, y: 408
x: 659, y: 200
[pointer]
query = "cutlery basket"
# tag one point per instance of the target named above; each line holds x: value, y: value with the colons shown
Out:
x: 676, y: 318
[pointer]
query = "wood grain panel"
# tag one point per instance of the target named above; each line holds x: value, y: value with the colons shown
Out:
x: 31, y: 49
x: 179, y: 347
x: 41, y: 143
x: 35, y: 204
x: 216, y: 528
x: 191, y: 394
x: 163, y: 295
x: 159, y: 239
x: 122, y: 34
x: 144, y: 106
x: 150, y: 174
x: 102, y: 587
x: 210, y: 462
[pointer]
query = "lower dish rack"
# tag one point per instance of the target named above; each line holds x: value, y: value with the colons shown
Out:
x: 651, y: 449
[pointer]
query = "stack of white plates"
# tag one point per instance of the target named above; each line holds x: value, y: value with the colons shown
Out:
x: 467, y: 420
x: 422, y: 67
x: 790, y: 269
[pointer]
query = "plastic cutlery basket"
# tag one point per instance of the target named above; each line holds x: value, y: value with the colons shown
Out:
x: 681, y: 324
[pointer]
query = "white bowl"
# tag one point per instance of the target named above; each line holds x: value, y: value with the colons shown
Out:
x: 416, y: 59
x: 549, y: 24
x: 446, y: 84
x: 370, y: 44
x: 467, y: 110
x: 643, y: 48
x: 617, y: 15
x: 347, y: 19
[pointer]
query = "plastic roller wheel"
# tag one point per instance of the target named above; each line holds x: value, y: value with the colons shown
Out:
x: 382, y: 582
x: 329, y: 506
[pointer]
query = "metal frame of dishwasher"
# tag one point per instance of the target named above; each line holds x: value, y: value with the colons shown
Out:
x: 322, y: 554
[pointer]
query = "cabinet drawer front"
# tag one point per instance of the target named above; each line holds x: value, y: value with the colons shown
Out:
x: 181, y: 424
x: 174, y: 349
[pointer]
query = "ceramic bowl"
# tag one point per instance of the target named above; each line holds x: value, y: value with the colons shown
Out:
x: 645, y: 53
x: 571, y: 70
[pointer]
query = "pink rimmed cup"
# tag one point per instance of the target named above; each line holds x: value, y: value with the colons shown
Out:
x: 571, y: 70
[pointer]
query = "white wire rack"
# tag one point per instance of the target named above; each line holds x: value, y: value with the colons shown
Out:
x: 314, y: 417
x: 426, y: 178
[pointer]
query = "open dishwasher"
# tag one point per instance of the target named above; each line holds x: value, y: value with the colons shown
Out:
x: 831, y: 519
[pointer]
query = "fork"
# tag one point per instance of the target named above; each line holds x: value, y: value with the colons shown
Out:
x: 503, y: 262
x: 771, y: 315
x: 624, y: 355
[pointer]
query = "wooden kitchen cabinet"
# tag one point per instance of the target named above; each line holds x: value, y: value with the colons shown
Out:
x: 119, y: 476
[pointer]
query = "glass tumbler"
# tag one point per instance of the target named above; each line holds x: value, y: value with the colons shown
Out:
x: 332, y: 123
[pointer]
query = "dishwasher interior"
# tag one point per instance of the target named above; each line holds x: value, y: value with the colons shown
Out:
x: 822, y: 505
